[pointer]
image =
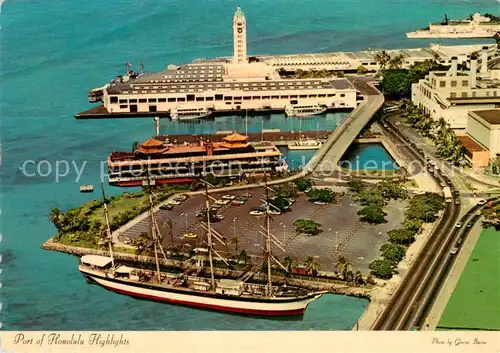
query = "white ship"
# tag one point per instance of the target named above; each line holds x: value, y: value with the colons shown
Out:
x: 189, y: 113
x: 304, y: 110
x: 236, y: 296
x: 476, y: 27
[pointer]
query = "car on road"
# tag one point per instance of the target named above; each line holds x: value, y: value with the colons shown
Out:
x: 481, y: 202
x: 459, y: 241
x: 229, y: 197
x: 166, y: 207
x: 457, y: 201
x: 454, y: 251
x: 222, y: 202
x: 442, y: 184
x: 459, y: 225
x: 478, y: 213
x: 431, y: 170
x: 319, y: 203
x: 456, y: 192
x: 191, y: 235
x: 469, y: 225
x: 431, y: 162
x: 256, y: 213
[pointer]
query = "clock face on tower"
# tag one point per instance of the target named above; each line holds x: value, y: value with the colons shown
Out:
x: 240, y: 30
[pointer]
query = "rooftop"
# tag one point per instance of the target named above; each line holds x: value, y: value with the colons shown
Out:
x: 470, y: 145
x: 491, y: 116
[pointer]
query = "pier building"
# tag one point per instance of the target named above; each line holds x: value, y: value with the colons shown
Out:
x: 253, y: 83
x: 452, y: 94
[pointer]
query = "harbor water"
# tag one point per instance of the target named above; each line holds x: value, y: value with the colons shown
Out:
x: 54, y: 51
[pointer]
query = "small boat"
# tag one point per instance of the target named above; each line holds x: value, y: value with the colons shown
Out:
x: 304, y: 110
x: 87, y: 188
x: 189, y: 113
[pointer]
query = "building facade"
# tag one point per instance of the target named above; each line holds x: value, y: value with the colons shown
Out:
x: 452, y: 94
x: 483, y: 127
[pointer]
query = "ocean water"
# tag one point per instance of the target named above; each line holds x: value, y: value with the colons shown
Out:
x: 368, y: 156
x: 53, y: 51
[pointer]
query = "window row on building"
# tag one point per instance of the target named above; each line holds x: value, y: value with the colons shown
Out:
x: 217, y: 97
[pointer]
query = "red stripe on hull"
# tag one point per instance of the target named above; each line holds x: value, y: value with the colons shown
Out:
x: 209, y: 306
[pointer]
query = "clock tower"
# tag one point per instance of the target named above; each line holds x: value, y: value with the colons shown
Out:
x: 240, y: 37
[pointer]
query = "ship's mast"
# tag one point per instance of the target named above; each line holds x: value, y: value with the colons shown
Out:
x: 209, y: 237
x: 268, y: 242
x: 154, y: 235
x: 108, y: 227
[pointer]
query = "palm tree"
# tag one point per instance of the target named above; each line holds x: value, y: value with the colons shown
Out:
x: 235, y: 241
x: 344, y: 265
x: 396, y: 62
x: 311, y: 265
x: 403, y: 104
x: 58, y: 219
x: 168, y: 225
x: 382, y: 58
x: 358, y: 278
x: 287, y: 260
x: 244, y: 256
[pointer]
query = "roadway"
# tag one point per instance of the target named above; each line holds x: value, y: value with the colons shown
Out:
x: 326, y: 164
x: 403, y: 311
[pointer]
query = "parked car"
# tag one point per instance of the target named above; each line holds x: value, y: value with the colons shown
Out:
x: 166, y: 207
x: 319, y: 203
x: 246, y: 195
x: 219, y: 217
x: 180, y: 198
x: 458, y: 225
x: 228, y: 197
x: 201, y: 213
x: 274, y: 212
x: 481, y: 202
x: 222, y: 202
x: 173, y: 202
x: 454, y: 251
x: 191, y: 235
x: 256, y: 213
x: 237, y: 202
x: 243, y: 199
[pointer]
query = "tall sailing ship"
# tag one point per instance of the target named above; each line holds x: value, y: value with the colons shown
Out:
x: 237, y: 296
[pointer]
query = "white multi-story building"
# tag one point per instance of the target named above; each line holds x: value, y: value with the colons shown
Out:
x: 452, y: 94
x: 483, y: 127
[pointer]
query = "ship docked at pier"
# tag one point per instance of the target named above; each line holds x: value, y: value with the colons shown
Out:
x: 477, y: 26
x: 161, y: 161
x: 192, y: 289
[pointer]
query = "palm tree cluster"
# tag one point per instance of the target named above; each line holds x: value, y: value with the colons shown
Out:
x: 345, y: 267
x: 386, y: 61
x: 448, y: 145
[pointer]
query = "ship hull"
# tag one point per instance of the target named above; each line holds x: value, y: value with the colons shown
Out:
x: 259, y: 307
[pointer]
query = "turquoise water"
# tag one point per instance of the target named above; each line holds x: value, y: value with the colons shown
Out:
x: 53, y: 51
x: 368, y: 156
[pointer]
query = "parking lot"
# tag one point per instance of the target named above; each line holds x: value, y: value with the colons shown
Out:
x: 341, y: 230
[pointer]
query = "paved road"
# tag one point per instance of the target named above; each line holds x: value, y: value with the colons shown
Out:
x: 402, y: 308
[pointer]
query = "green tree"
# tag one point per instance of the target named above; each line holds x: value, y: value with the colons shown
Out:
x: 288, y: 262
x: 322, y: 195
x: 390, y: 189
x: 303, y: 184
x: 382, y: 58
x: 344, y: 265
x: 311, y: 265
x: 355, y: 185
x: 358, y: 278
x: 244, y: 256
x: 307, y: 226
x: 413, y: 224
x: 286, y: 190
x: 396, y: 83
x: 372, y: 214
x: 401, y: 236
x: 393, y: 252
x: 235, y: 241
x: 280, y: 203
x: 382, y: 268
x: 371, y: 197
x: 57, y: 218
x: 396, y: 62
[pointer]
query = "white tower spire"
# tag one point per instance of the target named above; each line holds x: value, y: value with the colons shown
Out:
x: 240, y: 37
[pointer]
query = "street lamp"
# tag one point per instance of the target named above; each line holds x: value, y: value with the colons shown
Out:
x: 336, y: 241
x: 284, y: 234
x: 186, y: 218
x: 234, y: 226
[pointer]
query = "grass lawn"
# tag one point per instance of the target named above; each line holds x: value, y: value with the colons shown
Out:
x: 475, y: 302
